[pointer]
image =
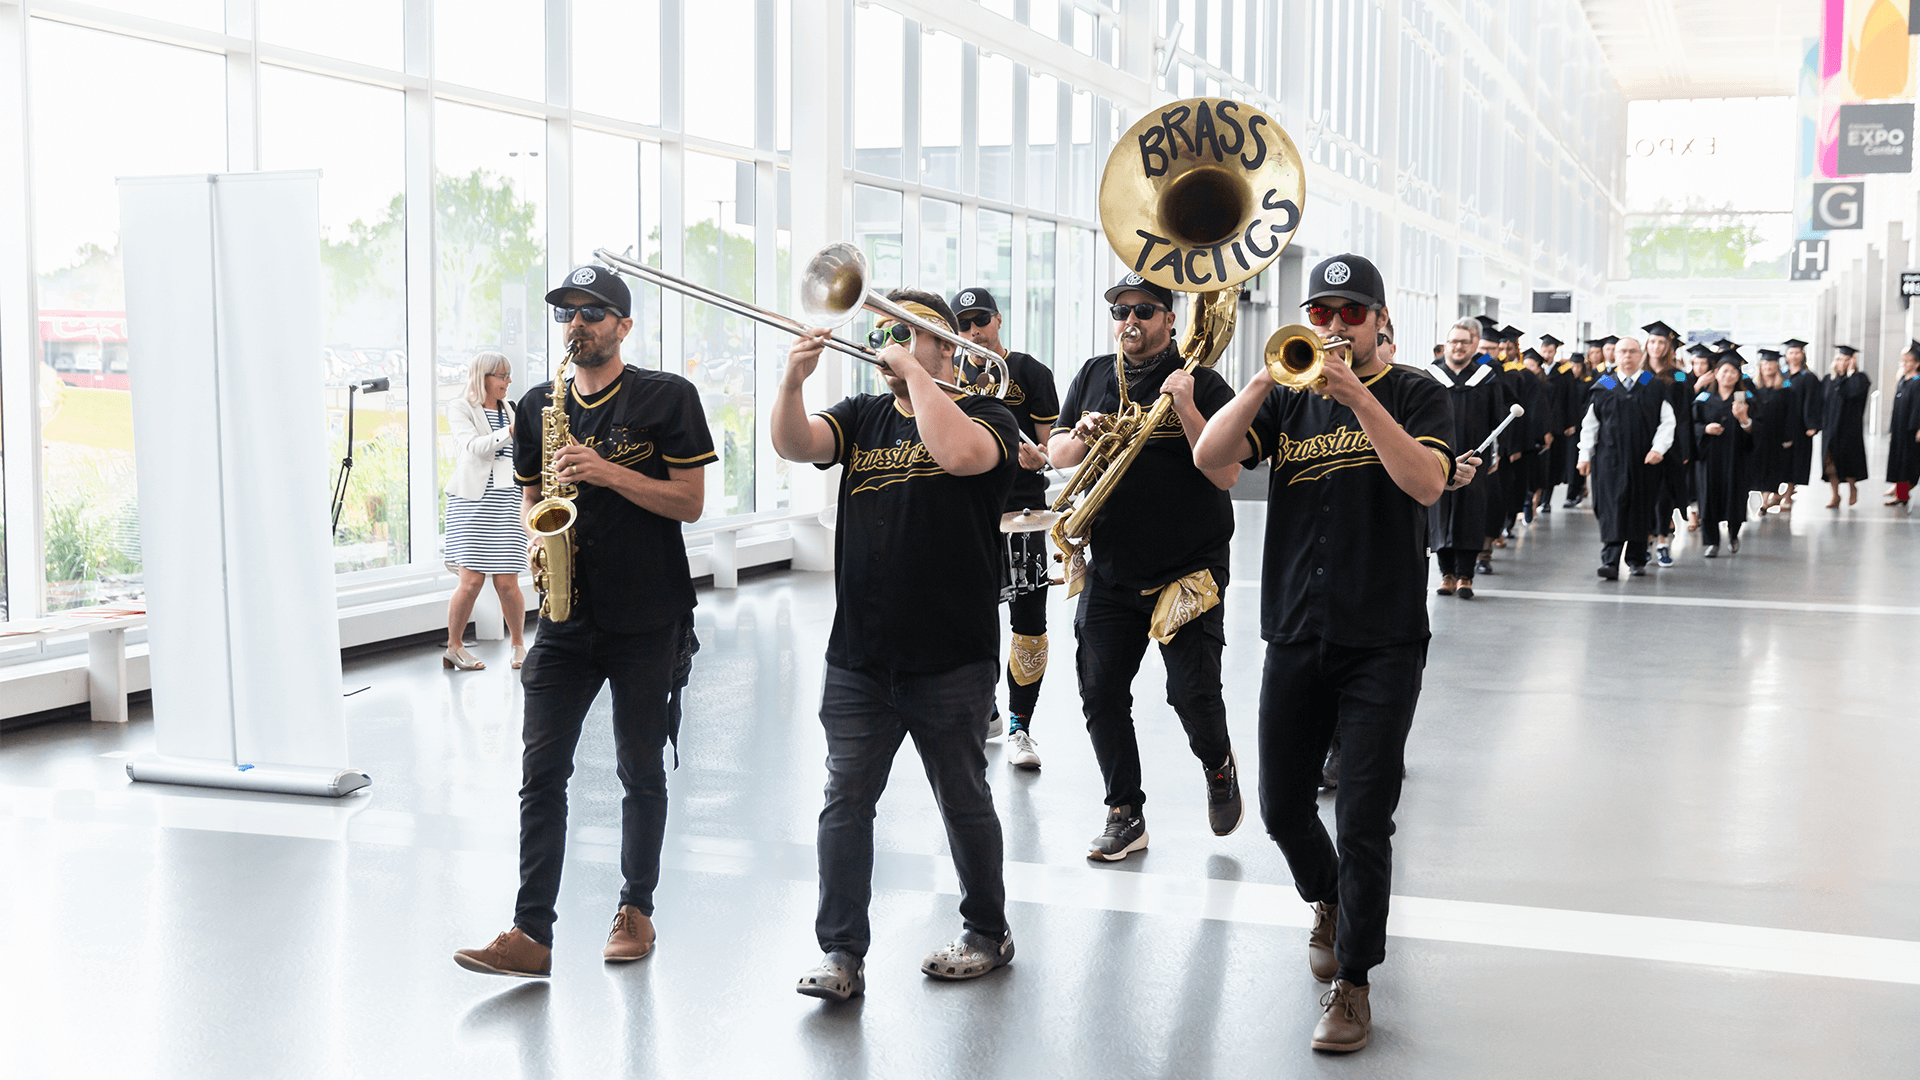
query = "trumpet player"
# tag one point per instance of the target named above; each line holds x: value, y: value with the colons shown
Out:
x: 1158, y: 568
x: 916, y: 629
x: 1353, y: 467
x: 637, y: 455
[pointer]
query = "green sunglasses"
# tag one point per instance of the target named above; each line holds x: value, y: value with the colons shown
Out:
x: 898, y: 333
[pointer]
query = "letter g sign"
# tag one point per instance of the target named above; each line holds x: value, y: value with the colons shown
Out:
x: 1838, y: 206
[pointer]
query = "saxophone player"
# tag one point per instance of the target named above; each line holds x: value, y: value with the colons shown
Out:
x: 1165, y: 527
x: 635, y: 451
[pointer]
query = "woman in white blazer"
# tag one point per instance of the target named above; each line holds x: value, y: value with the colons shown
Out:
x: 484, y: 534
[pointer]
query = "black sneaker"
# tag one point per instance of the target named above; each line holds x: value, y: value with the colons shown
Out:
x: 1610, y: 571
x: 1224, y: 805
x: 1483, y: 566
x: 1125, y: 834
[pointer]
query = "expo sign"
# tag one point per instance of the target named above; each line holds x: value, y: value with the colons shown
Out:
x: 1875, y: 139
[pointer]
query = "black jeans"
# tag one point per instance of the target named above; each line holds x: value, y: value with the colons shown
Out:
x: 1028, y: 615
x: 1306, y: 690
x: 1636, y: 553
x: 562, y: 675
x: 1710, y: 531
x: 1456, y: 562
x: 866, y: 715
x: 1112, y: 626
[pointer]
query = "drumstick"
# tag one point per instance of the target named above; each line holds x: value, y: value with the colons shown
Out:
x: 1514, y: 412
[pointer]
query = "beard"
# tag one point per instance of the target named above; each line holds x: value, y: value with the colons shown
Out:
x: 587, y: 356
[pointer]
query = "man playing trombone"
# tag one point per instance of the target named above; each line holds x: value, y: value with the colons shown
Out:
x: 914, y: 649
x: 1343, y: 609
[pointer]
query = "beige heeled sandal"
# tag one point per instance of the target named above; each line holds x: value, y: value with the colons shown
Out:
x: 459, y: 657
x: 519, y: 655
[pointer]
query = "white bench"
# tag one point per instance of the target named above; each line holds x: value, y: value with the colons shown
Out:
x: 106, y: 653
x: 724, y: 558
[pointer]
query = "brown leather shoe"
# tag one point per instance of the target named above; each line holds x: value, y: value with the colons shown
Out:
x: 1446, y: 585
x: 631, y: 937
x: 1320, y: 942
x: 512, y: 953
x: 1346, y: 1020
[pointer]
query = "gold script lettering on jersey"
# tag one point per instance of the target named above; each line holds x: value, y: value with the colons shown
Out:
x: 1316, y: 456
x: 622, y: 446
x: 881, y: 466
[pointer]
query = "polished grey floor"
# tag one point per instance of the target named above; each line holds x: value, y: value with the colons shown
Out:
x: 1639, y: 748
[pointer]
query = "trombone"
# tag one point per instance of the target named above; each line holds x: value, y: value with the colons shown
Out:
x: 833, y: 290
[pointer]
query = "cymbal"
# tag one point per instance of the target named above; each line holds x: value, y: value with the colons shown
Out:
x: 1028, y: 521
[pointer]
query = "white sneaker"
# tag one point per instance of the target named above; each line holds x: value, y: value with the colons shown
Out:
x: 996, y: 725
x: 1025, y: 754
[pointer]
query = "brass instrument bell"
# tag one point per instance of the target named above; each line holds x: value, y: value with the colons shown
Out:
x: 1296, y: 357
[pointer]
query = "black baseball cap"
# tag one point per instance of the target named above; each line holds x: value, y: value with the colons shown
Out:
x: 1549, y: 339
x: 1346, y: 277
x: 974, y: 299
x: 1136, y: 283
x: 598, y: 282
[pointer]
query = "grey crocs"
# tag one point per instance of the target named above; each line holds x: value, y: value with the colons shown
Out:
x: 968, y: 956
x: 841, y: 975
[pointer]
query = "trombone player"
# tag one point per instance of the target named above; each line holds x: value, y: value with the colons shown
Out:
x: 1354, y: 465
x: 1165, y: 527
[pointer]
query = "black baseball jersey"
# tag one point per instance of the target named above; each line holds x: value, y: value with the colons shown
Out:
x: 1035, y: 405
x: 918, y: 551
x: 630, y: 564
x: 1346, y: 555
x: 1165, y: 519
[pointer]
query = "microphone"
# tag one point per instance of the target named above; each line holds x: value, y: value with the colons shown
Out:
x: 1514, y: 412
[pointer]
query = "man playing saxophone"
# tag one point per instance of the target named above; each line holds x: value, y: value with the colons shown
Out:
x: 1166, y: 526
x: 636, y: 449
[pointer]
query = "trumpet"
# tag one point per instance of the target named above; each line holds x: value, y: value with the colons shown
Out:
x: 833, y: 290
x: 1296, y: 356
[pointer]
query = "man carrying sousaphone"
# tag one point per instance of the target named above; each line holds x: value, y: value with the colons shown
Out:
x: 1354, y: 467
x: 1166, y: 526
x: 1035, y: 404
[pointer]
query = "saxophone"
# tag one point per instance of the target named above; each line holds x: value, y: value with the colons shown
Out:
x: 551, y: 519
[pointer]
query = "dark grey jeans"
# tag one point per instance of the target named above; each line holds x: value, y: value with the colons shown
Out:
x: 867, y: 714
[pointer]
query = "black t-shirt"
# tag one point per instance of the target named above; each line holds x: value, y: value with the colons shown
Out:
x: 1035, y: 405
x: 1165, y: 519
x: 1346, y: 556
x: 918, y: 551
x: 630, y: 564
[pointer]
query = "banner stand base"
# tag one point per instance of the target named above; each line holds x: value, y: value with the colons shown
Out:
x: 283, y: 779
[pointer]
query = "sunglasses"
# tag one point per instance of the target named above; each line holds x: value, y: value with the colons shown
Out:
x: 897, y: 334
x: 593, y: 313
x: 968, y: 322
x: 1351, y: 314
x: 1143, y: 312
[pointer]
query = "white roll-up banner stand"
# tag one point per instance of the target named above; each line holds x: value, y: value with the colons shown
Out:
x: 229, y: 421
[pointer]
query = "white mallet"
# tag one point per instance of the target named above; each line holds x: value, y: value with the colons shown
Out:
x: 1514, y: 412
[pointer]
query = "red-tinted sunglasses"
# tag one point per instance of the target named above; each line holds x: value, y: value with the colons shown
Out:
x: 1351, y: 314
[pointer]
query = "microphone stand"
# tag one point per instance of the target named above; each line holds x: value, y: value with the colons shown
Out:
x: 371, y: 386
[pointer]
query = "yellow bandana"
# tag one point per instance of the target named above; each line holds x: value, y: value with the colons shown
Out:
x: 921, y: 310
x: 1181, y: 602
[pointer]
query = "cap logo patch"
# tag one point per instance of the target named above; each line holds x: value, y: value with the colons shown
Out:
x: 583, y: 276
x: 966, y: 299
x: 1338, y: 273
x: 1134, y: 279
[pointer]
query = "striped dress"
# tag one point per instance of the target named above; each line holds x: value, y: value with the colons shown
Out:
x: 485, y: 534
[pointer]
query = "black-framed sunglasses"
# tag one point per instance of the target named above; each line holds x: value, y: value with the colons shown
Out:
x: 968, y: 322
x: 1352, y: 314
x: 592, y: 313
x: 897, y: 334
x: 1143, y: 312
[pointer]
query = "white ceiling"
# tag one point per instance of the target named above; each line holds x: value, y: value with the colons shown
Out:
x: 1704, y: 48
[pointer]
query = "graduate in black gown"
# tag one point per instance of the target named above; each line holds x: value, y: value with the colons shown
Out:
x: 1629, y: 427
x: 1775, y: 422
x: 1842, y: 422
x: 1723, y: 439
x: 1490, y: 350
x: 1663, y: 360
x: 1558, y: 395
x: 1805, y: 385
x: 1456, y: 523
x: 1516, y: 441
x: 1903, y: 429
x: 1536, y: 486
x: 1579, y: 381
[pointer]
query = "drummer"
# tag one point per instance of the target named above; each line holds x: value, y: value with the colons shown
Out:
x: 1035, y: 404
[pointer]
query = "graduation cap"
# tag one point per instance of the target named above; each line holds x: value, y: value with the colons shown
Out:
x: 1489, y: 327
x: 1610, y: 339
x: 1576, y: 358
x: 1731, y: 356
x: 1549, y: 339
x: 1700, y: 350
x: 1794, y: 343
x: 1660, y: 329
x: 1533, y: 354
x: 1595, y: 343
x: 1845, y: 350
x: 1770, y: 354
x: 1725, y: 344
x: 1510, y: 333
x: 1913, y: 347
